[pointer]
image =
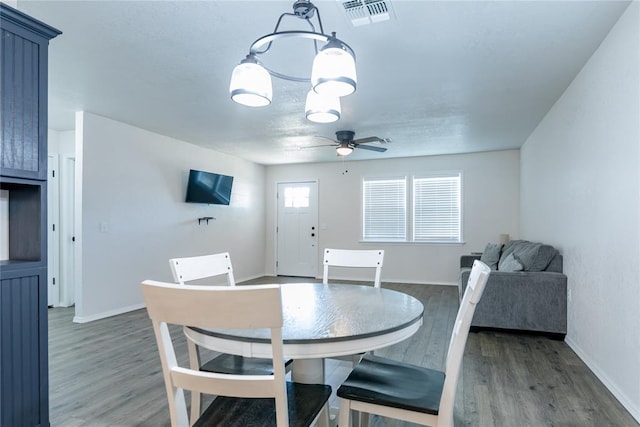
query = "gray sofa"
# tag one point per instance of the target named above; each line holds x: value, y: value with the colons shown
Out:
x: 525, y: 300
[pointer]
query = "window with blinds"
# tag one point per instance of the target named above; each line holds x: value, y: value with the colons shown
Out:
x: 433, y: 213
x: 437, y: 209
x: 384, y: 209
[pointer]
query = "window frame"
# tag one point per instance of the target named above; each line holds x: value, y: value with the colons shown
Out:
x: 436, y: 175
x: 409, y: 207
x: 362, y: 207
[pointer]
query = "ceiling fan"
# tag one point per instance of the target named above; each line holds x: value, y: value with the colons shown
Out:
x: 345, y: 144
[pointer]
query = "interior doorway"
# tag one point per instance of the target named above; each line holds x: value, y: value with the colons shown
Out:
x: 60, y: 234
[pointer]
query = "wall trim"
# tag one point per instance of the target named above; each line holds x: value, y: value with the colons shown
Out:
x: 109, y: 313
x: 254, y: 276
x: 628, y: 404
x: 404, y: 282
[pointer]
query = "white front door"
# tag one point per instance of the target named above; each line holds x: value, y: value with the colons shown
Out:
x: 297, y: 229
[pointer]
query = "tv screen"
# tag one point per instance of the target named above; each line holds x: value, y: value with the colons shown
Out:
x: 209, y: 187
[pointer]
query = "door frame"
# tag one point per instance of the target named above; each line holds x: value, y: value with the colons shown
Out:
x: 53, y: 230
x: 275, y: 225
x: 67, y: 227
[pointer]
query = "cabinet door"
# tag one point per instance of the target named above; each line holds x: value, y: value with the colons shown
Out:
x: 23, y: 348
x: 23, y: 103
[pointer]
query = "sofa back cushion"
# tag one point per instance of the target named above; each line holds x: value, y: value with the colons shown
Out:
x: 491, y: 255
x: 510, y: 264
x: 556, y: 264
x: 532, y: 255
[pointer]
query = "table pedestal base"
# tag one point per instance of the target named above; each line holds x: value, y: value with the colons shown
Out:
x: 308, y: 371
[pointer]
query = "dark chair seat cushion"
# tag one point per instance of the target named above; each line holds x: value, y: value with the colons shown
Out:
x: 305, y: 403
x: 231, y: 364
x: 390, y: 383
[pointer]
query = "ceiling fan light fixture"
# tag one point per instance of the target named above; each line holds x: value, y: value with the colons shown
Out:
x: 334, y: 70
x: 322, y: 109
x: 251, y: 83
x: 344, y: 150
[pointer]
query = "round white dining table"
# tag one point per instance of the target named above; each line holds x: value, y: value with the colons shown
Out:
x: 322, y: 321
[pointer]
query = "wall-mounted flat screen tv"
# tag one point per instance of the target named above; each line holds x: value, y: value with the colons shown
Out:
x: 209, y: 187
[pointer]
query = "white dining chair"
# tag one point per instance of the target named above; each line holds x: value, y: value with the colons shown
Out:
x: 412, y: 393
x: 353, y: 258
x: 200, y: 267
x: 241, y: 400
x: 213, y: 266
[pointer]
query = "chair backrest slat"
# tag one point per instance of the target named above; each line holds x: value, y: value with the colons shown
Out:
x: 200, y: 267
x: 242, y: 307
x: 203, y: 306
x: 353, y: 258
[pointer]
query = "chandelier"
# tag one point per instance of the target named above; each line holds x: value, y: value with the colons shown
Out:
x: 333, y: 74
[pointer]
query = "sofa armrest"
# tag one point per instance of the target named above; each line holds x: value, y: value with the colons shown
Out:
x: 466, y: 261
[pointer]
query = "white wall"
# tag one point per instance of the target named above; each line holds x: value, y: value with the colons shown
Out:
x: 580, y: 192
x: 491, y: 206
x: 134, y: 217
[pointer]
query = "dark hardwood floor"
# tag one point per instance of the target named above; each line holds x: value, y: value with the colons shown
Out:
x: 107, y: 372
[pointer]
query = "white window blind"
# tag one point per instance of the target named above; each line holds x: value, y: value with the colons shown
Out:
x: 437, y: 209
x: 384, y: 209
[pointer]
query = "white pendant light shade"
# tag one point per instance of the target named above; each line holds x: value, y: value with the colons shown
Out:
x: 334, y: 72
x: 344, y: 150
x: 251, y: 84
x: 322, y: 109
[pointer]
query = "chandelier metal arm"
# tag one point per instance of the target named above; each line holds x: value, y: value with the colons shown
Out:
x: 286, y: 77
x: 306, y: 12
x: 313, y: 29
x: 269, y: 38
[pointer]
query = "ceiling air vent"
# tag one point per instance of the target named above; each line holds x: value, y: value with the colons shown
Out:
x: 363, y: 12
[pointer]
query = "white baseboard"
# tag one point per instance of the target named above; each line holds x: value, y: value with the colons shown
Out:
x: 629, y: 405
x: 404, y: 282
x: 421, y: 283
x: 247, y: 278
x: 104, y: 314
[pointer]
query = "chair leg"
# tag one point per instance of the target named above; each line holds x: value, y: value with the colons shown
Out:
x: 323, y: 417
x: 355, y: 415
x: 194, y: 363
x: 344, y: 419
x: 355, y: 359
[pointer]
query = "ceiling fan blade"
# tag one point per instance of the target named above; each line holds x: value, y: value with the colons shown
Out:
x: 370, y: 147
x: 326, y: 137
x: 303, y: 147
x: 368, y: 139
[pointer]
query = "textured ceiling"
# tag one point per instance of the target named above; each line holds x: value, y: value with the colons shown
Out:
x: 440, y: 78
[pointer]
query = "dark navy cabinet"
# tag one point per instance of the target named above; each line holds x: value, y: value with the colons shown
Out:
x: 23, y: 82
x: 24, y: 376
